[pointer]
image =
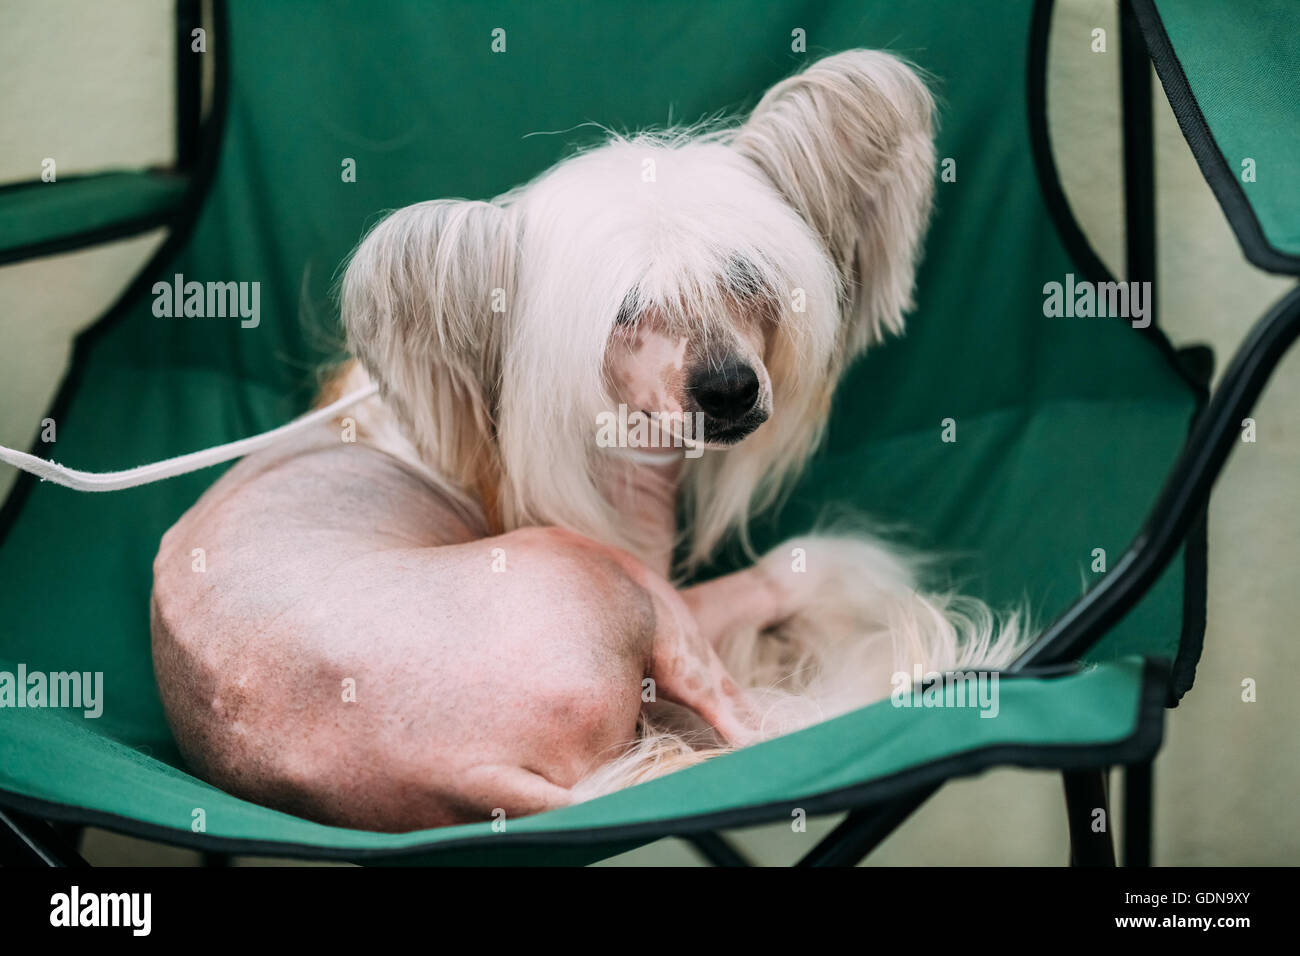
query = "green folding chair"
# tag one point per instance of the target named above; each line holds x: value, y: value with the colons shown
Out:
x: 1072, y: 433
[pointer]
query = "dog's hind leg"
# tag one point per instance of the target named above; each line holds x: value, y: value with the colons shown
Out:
x: 815, y: 573
x: 494, y: 791
x: 748, y: 600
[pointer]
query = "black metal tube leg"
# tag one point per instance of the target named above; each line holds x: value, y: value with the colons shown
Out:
x: 27, y: 841
x: 1088, y: 813
x: 717, y: 849
x: 1139, y: 155
x: 865, y: 829
x: 1137, y: 814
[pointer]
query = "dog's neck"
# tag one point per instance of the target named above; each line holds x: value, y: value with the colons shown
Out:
x: 641, y: 485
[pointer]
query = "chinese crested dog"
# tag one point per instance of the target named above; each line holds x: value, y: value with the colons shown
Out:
x: 490, y: 574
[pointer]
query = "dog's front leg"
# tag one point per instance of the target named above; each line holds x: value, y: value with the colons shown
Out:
x: 686, y: 669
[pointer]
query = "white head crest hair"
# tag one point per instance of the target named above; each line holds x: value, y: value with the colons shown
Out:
x: 486, y: 324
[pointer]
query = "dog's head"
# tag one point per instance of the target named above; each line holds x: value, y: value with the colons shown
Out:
x: 721, y: 277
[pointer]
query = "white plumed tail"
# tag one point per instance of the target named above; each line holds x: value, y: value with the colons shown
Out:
x: 865, y: 621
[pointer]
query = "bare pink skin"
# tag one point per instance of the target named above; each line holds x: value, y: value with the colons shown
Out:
x: 331, y: 565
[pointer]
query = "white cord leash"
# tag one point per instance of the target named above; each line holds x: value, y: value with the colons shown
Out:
x: 182, y: 464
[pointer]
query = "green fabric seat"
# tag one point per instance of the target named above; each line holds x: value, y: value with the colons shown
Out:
x: 1230, y: 71
x: 1111, y: 710
x: 1065, y: 427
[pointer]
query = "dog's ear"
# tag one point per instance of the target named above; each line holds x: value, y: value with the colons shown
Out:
x: 849, y: 143
x: 423, y: 301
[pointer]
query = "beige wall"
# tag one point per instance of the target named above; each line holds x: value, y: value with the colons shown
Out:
x: 1227, y: 777
x: 1228, y: 773
x: 91, y: 86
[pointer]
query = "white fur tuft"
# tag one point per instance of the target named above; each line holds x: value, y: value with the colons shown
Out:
x: 865, y: 620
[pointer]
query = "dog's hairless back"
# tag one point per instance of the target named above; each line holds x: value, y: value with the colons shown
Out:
x: 355, y: 651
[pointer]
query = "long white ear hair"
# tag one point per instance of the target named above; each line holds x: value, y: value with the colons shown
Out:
x: 849, y: 143
x: 423, y: 306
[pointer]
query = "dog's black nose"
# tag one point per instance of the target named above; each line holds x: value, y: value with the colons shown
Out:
x: 727, y: 391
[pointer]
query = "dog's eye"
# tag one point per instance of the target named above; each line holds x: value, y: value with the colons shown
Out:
x: 627, y: 312
x: 743, y: 278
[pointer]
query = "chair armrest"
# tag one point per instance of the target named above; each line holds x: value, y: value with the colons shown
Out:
x: 41, y: 219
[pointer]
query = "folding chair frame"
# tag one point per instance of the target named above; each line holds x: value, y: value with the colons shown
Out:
x: 1178, y: 516
x: 189, y: 151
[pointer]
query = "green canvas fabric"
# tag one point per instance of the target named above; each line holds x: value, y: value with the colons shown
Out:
x: 1065, y: 427
x: 1242, y: 61
x: 36, y: 213
x: 1109, y: 705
